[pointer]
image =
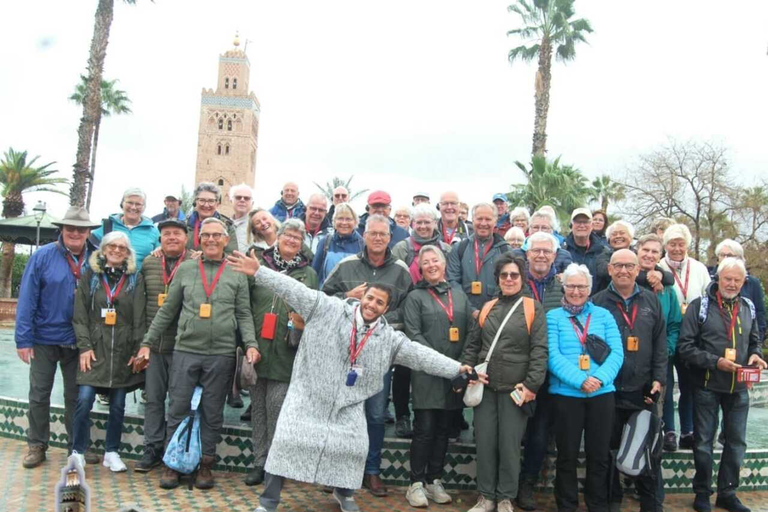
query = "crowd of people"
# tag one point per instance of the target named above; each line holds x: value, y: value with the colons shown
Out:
x: 341, y: 312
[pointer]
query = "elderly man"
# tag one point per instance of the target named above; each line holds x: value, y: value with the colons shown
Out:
x: 214, y: 303
x: 339, y: 195
x: 172, y: 210
x: 158, y: 273
x: 641, y: 322
x: 718, y: 338
x: 206, y: 203
x: 141, y: 230
x: 242, y: 202
x: 380, y: 203
x: 471, y: 263
x: 543, y: 221
x: 542, y: 285
x: 452, y: 229
x: 502, y: 221
x: 316, y: 223
x: 420, y: 198
x: 44, y: 334
x: 586, y: 248
x: 289, y: 205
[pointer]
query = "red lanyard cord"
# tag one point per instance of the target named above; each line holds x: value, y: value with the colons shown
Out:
x: 209, y: 290
x: 449, y: 308
x: 75, y: 265
x: 683, y: 287
x: 478, y: 259
x: 354, y: 347
x: 112, y: 292
x: 734, y: 316
x: 581, y: 334
x: 630, y: 323
x: 168, y: 278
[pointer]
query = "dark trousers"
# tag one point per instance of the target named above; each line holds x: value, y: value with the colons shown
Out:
x: 594, y: 418
x: 42, y: 373
x: 273, y: 487
x: 646, y: 485
x: 685, y: 405
x: 537, y: 436
x: 214, y: 374
x: 156, y: 386
x: 735, y: 407
x: 401, y: 391
x: 429, y: 444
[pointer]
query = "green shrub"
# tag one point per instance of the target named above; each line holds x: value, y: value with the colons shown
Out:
x: 19, y: 264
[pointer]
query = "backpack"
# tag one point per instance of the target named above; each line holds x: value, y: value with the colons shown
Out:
x: 641, y: 445
x: 184, y: 451
x: 529, y: 307
x: 704, y: 308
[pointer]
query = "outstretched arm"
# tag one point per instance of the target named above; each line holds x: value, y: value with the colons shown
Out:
x: 424, y: 359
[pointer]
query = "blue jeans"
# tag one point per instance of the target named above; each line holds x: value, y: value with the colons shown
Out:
x: 375, y: 408
x: 685, y: 407
x: 735, y: 408
x: 81, y: 429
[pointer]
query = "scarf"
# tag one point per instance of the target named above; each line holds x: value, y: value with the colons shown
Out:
x: 675, y: 265
x: 284, y: 265
x: 570, y: 308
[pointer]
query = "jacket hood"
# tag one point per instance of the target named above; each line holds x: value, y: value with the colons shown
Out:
x: 96, y: 260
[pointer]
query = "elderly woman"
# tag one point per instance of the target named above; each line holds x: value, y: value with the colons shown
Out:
x: 278, y: 342
x: 599, y: 225
x: 691, y: 281
x: 517, y: 364
x: 263, y: 232
x: 515, y: 237
x: 403, y: 217
x: 438, y: 316
x: 620, y: 235
x: 660, y: 225
x: 343, y: 242
x: 424, y: 233
x: 109, y: 323
x: 582, y: 391
x: 520, y: 217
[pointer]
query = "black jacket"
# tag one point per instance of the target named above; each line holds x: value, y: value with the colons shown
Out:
x: 701, y: 344
x: 591, y: 257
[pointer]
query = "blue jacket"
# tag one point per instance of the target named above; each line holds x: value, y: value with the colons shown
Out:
x: 144, y: 238
x: 339, y: 247
x: 565, y: 348
x: 47, y: 298
x: 397, y: 233
x: 281, y: 211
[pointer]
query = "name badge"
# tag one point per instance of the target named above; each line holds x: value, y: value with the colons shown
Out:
x: 453, y: 334
x: 584, y: 362
x: 110, y: 317
x: 353, y: 374
x: 633, y: 344
x: 730, y: 354
x: 205, y: 311
x: 161, y: 298
x: 477, y: 287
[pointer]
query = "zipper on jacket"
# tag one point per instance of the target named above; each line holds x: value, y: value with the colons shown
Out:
x: 112, y: 359
x: 733, y: 345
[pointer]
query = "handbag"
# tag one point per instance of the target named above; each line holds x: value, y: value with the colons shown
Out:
x: 184, y: 452
x: 596, y: 347
x: 474, y: 393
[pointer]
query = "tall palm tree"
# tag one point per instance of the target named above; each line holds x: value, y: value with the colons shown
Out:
x: 339, y: 182
x: 17, y: 176
x: 605, y: 190
x: 92, y: 100
x: 546, y: 27
x: 113, y: 101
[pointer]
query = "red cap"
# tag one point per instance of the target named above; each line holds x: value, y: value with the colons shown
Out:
x: 379, y: 197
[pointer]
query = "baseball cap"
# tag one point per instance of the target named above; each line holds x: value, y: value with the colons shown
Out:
x: 499, y: 197
x: 172, y: 197
x: 171, y: 223
x: 379, y: 197
x: 581, y: 211
x: 421, y: 194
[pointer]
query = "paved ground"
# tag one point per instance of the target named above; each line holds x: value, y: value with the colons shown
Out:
x: 32, y: 491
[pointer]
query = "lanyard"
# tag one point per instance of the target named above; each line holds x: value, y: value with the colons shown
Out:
x: 582, y: 335
x: 313, y: 233
x: 168, y: 278
x: 478, y: 259
x: 75, y: 265
x: 209, y: 291
x: 734, y: 315
x: 449, y: 308
x: 448, y: 239
x: 196, y: 239
x: 354, y: 348
x: 534, y: 289
x: 630, y: 323
x: 113, y: 292
x: 683, y: 288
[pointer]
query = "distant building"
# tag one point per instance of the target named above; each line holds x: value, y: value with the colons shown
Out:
x: 72, y: 493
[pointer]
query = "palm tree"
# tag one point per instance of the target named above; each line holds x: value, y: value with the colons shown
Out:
x: 17, y: 175
x: 604, y: 190
x: 546, y: 24
x: 339, y: 182
x: 92, y: 99
x: 113, y: 101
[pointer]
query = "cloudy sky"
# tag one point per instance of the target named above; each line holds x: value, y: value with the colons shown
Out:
x: 406, y: 95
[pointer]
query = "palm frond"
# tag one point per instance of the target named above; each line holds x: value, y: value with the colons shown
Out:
x: 524, y: 53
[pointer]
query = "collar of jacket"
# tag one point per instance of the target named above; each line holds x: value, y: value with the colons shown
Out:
x: 354, y: 235
x: 547, y: 278
x: 388, y: 259
x: 433, y: 240
x: 118, y: 218
x: 193, y: 218
x: 594, y: 243
x: 496, y: 240
x: 280, y: 202
x: 212, y: 262
x: 461, y: 227
x: 510, y: 298
x: 439, y: 288
x: 635, y: 291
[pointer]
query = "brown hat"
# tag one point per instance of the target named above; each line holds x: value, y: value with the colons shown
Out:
x: 77, y: 217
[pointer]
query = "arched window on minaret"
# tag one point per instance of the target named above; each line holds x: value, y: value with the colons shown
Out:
x: 234, y: 83
x: 226, y: 149
x: 229, y: 125
x: 218, y: 150
x: 221, y: 124
x: 226, y: 83
x: 221, y: 182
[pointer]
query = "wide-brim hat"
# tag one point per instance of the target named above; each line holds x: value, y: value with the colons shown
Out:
x: 77, y: 217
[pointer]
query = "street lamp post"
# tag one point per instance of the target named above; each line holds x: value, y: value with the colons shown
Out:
x: 39, y: 210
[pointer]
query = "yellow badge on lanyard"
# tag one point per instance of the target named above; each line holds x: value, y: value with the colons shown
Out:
x: 161, y: 298
x: 584, y: 362
x: 454, y: 334
x: 205, y: 311
x: 110, y: 317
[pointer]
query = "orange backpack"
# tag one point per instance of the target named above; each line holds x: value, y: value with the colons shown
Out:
x: 528, y: 308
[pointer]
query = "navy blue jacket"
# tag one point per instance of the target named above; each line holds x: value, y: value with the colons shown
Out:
x: 590, y: 258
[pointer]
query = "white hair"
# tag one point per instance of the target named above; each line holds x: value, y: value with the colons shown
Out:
x: 542, y: 236
x: 620, y: 223
x: 546, y: 214
x: 520, y: 211
x: 407, y: 209
x: 241, y: 186
x: 214, y: 220
x: 345, y: 208
x: 294, y: 225
x: 114, y: 235
x: 376, y: 218
x: 133, y: 191
x: 431, y: 248
x: 676, y: 231
x: 574, y: 269
x: 731, y: 244
x: 321, y: 197
x: 729, y: 263
x: 514, y: 230
x: 424, y: 210
x: 493, y: 207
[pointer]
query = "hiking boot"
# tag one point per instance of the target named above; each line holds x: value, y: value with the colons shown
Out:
x: 416, y: 496
x: 346, y: 503
x: 204, y: 478
x: 686, y: 441
x: 483, y: 505
x: 113, y: 461
x: 34, y: 457
x: 255, y: 476
x: 170, y: 478
x: 436, y: 492
x: 670, y: 442
x: 525, y: 495
x: 701, y: 502
x: 151, y: 459
x: 403, y: 428
x: 504, y: 506
x: 374, y: 485
x: 91, y: 457
x: 731, y: 503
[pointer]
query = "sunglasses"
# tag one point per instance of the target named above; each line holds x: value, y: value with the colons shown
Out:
x: 514, y: 276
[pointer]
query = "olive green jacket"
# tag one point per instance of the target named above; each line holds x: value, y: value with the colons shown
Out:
x: 152, y: 272
x: 113, y: 345
x: 427, y: 323
x: 230, y: 311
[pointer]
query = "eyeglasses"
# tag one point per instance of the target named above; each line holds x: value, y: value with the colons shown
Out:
x: 576, y: 287
x: 208, y: 236
x: 315, y: 209
x: 293, y: 238
x: 131, y: 204
x: 117, y: 248
x: 377, y: 234
x: 514, y: 276
x: 538, y: 227
x: 238, y: 198
x: 582, y: 222
x: 206, y: 201
x: 545, y: 252
x: 624, y: 266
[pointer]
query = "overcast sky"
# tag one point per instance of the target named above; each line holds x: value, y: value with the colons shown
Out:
x: 406, y: 95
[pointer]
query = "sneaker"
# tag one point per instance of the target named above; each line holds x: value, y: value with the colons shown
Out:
x: 416, y: 496
x: 102, y: 399
x: 150, y: 460
x: 731, y: 503
x: 403, y: 427
x: 79, y: 458
x: 504, y: 506
x: 670, y: 442
x: 235, y: 402
x: 686, y: 441
x: 34, y: 457
x: 483, y: 505
x: 436, y: 492
x: 347, y: 503
x: 113, y: 461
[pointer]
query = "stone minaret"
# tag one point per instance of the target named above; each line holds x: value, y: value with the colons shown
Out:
x: 229, y: 127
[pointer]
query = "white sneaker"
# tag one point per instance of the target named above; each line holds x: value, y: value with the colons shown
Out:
x: 436, y: 492
x: 504, y: 506
x: 80, y: 458
x: 483, y: 505
x: 416, y: 496
x: 113, y: 461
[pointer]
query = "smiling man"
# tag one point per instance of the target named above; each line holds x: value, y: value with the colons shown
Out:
x: 316, y: 222
x: 450, y: 226
x: 289, y: 205
x: 586, y: 248
x: 242, y: 202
